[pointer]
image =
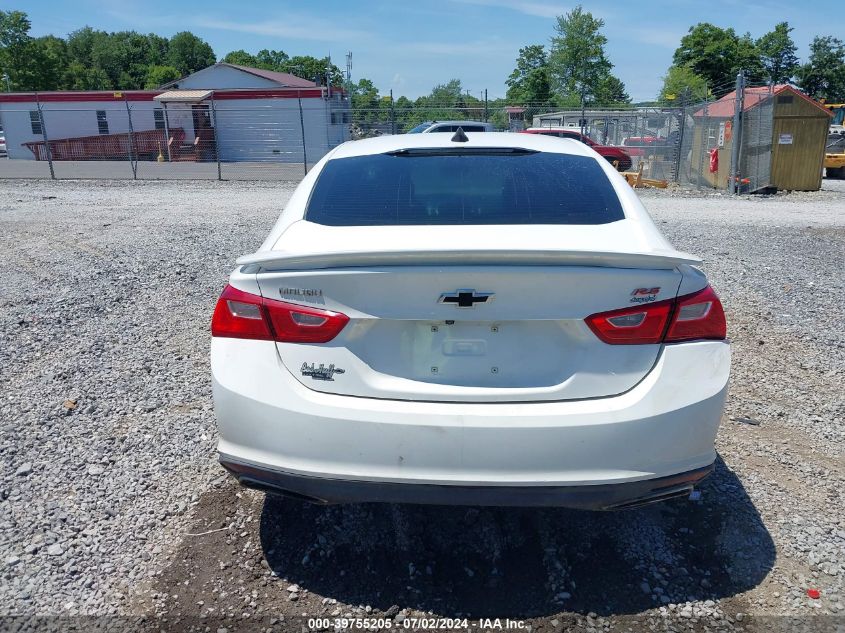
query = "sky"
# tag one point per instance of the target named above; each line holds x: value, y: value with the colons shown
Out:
x: 409, y: 47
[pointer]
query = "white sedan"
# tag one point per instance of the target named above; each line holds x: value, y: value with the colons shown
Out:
x: 481, y: 319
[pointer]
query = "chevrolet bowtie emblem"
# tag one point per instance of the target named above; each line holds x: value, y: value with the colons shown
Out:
x: 465, y: 298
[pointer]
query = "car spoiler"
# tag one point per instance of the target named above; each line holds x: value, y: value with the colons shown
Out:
x: 282, y: 260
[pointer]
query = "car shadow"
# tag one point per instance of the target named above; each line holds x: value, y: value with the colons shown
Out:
x: 524, y: 562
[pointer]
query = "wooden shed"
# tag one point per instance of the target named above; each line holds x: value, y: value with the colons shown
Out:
x: 784, y: 135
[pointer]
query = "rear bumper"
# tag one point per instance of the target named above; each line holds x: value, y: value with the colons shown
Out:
x: 595, y: 497
x: 278, y: 434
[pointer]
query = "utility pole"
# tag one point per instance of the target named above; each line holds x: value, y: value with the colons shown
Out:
x: 736, y: 134
x: 329, y: 76
x: 348, y: 73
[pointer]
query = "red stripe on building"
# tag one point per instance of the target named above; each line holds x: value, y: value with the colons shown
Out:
x: 51, y: 97
x: 148, y: 95
x: 283, y: 93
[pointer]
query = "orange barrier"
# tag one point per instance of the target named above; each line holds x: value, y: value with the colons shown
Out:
x: 145, y: 144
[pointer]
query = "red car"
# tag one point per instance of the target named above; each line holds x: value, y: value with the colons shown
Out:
x: 611, y: 153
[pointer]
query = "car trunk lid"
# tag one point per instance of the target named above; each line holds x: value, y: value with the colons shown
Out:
x: 523, y: 338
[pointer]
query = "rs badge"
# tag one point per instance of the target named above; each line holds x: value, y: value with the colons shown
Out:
x: 644, y: 295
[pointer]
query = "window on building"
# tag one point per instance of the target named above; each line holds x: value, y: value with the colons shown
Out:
x: 35, y: 122
x: 158, y: 116
x: 102, y: 122
x: 340, y: 117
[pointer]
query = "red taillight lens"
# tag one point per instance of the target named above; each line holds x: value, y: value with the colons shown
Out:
x: 240, y: 314
x: 640, y: 325
x: 691, y: 317
x: 698, y: 316
x: 300, y: 324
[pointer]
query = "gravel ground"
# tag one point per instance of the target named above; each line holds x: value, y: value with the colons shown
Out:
x: 112, y: 504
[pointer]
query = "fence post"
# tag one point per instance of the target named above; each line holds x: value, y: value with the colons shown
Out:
x: 392, y: 114
x: 736, y: 133
x: 485, y: 105
x: 583, y: 120
x: 216, y: 143
x: 166, y: 131
x: 682, y: 124
x: 302, y: 127
x: 133, y: 164
x: 46, y: 141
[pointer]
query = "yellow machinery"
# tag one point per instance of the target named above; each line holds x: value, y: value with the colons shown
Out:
x: 834, y: 157
x: 834, y: 165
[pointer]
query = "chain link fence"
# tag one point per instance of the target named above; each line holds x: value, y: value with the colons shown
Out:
x: 198, y: 141
x: 728, y: 142
x: 755, y: 158
x: 690, y: 144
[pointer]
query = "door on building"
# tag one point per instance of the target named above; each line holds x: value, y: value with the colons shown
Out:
x: 204, y: 145
x: 798, y: 155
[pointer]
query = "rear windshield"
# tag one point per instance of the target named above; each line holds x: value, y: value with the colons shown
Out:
x: 444, y: 187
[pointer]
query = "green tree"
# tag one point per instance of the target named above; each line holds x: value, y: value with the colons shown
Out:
x: 404, y: 110
x: 79, y: 77
x: 272, y: 60
x: 529, y: 82
x: 313, y: 69
x: 188, y: 53
x: 112, y: 53
x: 683, y: 81
x: 303, y: 66
x: 749, y: 59
x: 157, y: 48
x: 159, y: 75
x: 718, y: 54
x: 823, y: 76
x: 16, y: 49
x: 449, y: 94
x: 777, y: 53
x: 577, y: 63
x: 241, y: 58
x: 80, y: 44
x: 365, y: 101
x: 48, y: 60
x: 611, y: 92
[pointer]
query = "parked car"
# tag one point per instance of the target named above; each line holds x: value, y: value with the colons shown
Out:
x: 611, y: 153
x: 495, y: 321
x: 3, y: 151
x: 660, y: 146
x: 451, y: 126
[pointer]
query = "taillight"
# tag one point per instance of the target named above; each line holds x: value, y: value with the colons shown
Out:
x: 639, y: 325
x: 240, y: 314
x: 698, y: 316
x: 293, y: 323
x: 691, y: 317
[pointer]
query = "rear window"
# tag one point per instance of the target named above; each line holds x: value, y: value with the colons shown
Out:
x: 468, y: 187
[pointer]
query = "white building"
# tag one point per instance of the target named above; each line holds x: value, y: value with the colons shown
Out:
x: 247, y: 114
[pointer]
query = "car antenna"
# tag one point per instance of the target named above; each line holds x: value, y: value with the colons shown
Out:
x: 460, y: 136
